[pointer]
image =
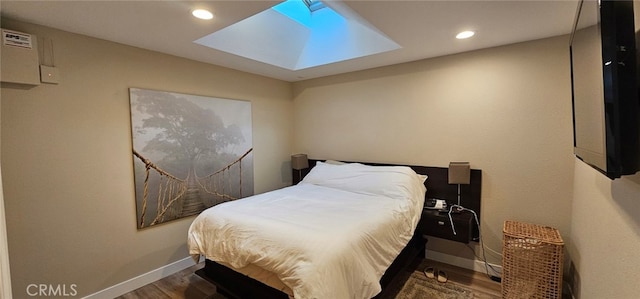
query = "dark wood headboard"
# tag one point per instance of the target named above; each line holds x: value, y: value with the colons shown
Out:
x: 437, y: 185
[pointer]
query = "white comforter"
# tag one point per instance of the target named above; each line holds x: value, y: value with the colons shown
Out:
x: 321, y: 242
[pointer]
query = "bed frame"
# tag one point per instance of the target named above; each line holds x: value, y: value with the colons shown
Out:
x: 236, y: 285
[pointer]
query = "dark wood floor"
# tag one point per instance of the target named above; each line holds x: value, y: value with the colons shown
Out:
x: 483, y: 287
x: 186, y: 285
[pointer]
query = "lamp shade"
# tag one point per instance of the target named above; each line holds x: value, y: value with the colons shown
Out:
x: 299, y: 161
x: 459, y: 173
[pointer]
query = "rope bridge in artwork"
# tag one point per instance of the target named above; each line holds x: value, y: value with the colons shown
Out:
x: 215, y: 182
x: 172, y: 190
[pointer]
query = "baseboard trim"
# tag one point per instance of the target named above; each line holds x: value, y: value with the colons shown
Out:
x: 142, y: 280
x: 461, y: 262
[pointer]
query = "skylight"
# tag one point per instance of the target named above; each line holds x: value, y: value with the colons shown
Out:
x: 295, y: 36
x: 313, y: 5
x: 306, y: 13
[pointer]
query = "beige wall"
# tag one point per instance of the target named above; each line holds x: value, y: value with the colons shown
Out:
x: 507, y: 110
x: 67, y: 163
x: 605, y: 229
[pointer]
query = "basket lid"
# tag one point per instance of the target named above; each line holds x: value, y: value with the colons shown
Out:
x: 545, y: 234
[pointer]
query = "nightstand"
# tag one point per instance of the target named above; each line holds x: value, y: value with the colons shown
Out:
x: 436, y: 224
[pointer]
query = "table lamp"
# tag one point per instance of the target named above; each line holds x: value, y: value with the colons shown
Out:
x: 299, y: 162
x: 459, y: 173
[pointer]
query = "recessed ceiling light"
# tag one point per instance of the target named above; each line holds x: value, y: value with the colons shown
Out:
x: 202, y: 14
x: 465, y: 34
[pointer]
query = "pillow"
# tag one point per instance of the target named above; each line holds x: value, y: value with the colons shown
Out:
x: 389, y: 181
x: 334, y: 162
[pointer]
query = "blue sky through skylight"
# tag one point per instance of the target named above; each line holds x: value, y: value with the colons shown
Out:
x: 298, y: 11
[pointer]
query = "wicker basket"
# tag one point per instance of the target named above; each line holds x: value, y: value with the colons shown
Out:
x: 532, y: 258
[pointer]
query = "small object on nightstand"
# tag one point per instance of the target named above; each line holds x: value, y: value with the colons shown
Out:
x: 435, y: 204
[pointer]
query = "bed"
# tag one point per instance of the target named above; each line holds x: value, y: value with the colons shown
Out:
x: 343, y: 231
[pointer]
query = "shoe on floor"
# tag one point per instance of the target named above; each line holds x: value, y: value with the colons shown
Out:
x: 442, y: 276
x: 430, y: 272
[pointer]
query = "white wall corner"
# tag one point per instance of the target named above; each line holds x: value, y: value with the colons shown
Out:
x: 5, y: 274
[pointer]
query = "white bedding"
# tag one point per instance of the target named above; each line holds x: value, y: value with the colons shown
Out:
x: 321, y: 240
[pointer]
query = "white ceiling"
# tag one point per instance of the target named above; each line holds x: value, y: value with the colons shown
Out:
x: 424, y: 28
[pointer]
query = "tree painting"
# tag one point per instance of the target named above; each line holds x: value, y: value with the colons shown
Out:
x: 189, y: 153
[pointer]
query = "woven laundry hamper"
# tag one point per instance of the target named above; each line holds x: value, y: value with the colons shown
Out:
x: 532, y: 259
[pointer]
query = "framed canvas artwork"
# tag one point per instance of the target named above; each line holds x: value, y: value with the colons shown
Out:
x: 189, y: 153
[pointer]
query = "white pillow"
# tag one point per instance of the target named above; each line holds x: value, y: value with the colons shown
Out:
x: 389, y: 181
x: 334, y: 162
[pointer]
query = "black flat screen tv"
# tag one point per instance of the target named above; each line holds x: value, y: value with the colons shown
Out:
x: 604, y: 81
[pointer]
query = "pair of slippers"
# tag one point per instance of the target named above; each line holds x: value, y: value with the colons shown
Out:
x: 436, y: 274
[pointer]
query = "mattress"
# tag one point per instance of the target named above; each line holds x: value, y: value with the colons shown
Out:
x: 331, y: 236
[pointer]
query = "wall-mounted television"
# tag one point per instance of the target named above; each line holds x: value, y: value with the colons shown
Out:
x: 604, y: 81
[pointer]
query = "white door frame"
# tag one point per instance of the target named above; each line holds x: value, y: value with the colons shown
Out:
x: 5, y: 274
